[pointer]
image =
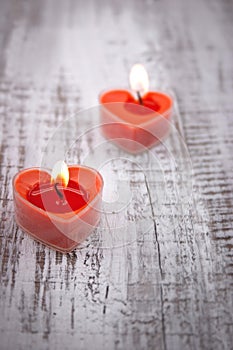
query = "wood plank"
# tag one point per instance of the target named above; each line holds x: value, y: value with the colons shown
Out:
x: 171, y: 288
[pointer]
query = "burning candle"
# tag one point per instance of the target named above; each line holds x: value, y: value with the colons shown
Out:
x: 59, y: 209
x: 142, y: 119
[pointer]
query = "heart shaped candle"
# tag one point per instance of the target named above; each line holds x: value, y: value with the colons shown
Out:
x: 59, y: 215
x: 136, y: 124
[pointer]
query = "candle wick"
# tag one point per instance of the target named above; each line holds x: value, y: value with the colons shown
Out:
x: 60, y: 195
x: 139, y: 98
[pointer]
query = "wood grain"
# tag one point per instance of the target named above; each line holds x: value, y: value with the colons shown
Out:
x: 171, y: 288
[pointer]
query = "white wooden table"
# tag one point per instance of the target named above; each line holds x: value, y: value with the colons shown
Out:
x: 171, y: 286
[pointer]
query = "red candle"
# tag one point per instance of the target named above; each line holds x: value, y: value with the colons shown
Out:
x: 59, y: 212
x: 140, y: 122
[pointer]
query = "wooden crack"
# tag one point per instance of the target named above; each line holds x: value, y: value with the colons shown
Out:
x: 160, y: 265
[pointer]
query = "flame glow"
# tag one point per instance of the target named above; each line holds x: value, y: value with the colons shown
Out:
x: 138, y: 78
x: 60, y: 173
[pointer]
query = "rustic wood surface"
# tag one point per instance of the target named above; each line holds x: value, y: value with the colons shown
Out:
x: 172, y: 287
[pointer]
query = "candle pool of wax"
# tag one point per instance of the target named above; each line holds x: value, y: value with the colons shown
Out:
x: 134, y: 106
x: 142, y: 109
x: 123, y: 104
x: 45, y: 196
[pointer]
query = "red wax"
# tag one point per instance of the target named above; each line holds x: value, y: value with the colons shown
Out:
x: 44, y: 196
x: 138, y: 126
x: 62, y: 229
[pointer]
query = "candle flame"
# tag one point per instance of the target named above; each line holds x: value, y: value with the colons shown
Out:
x: 60, y: 173
x: 138, y: 78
